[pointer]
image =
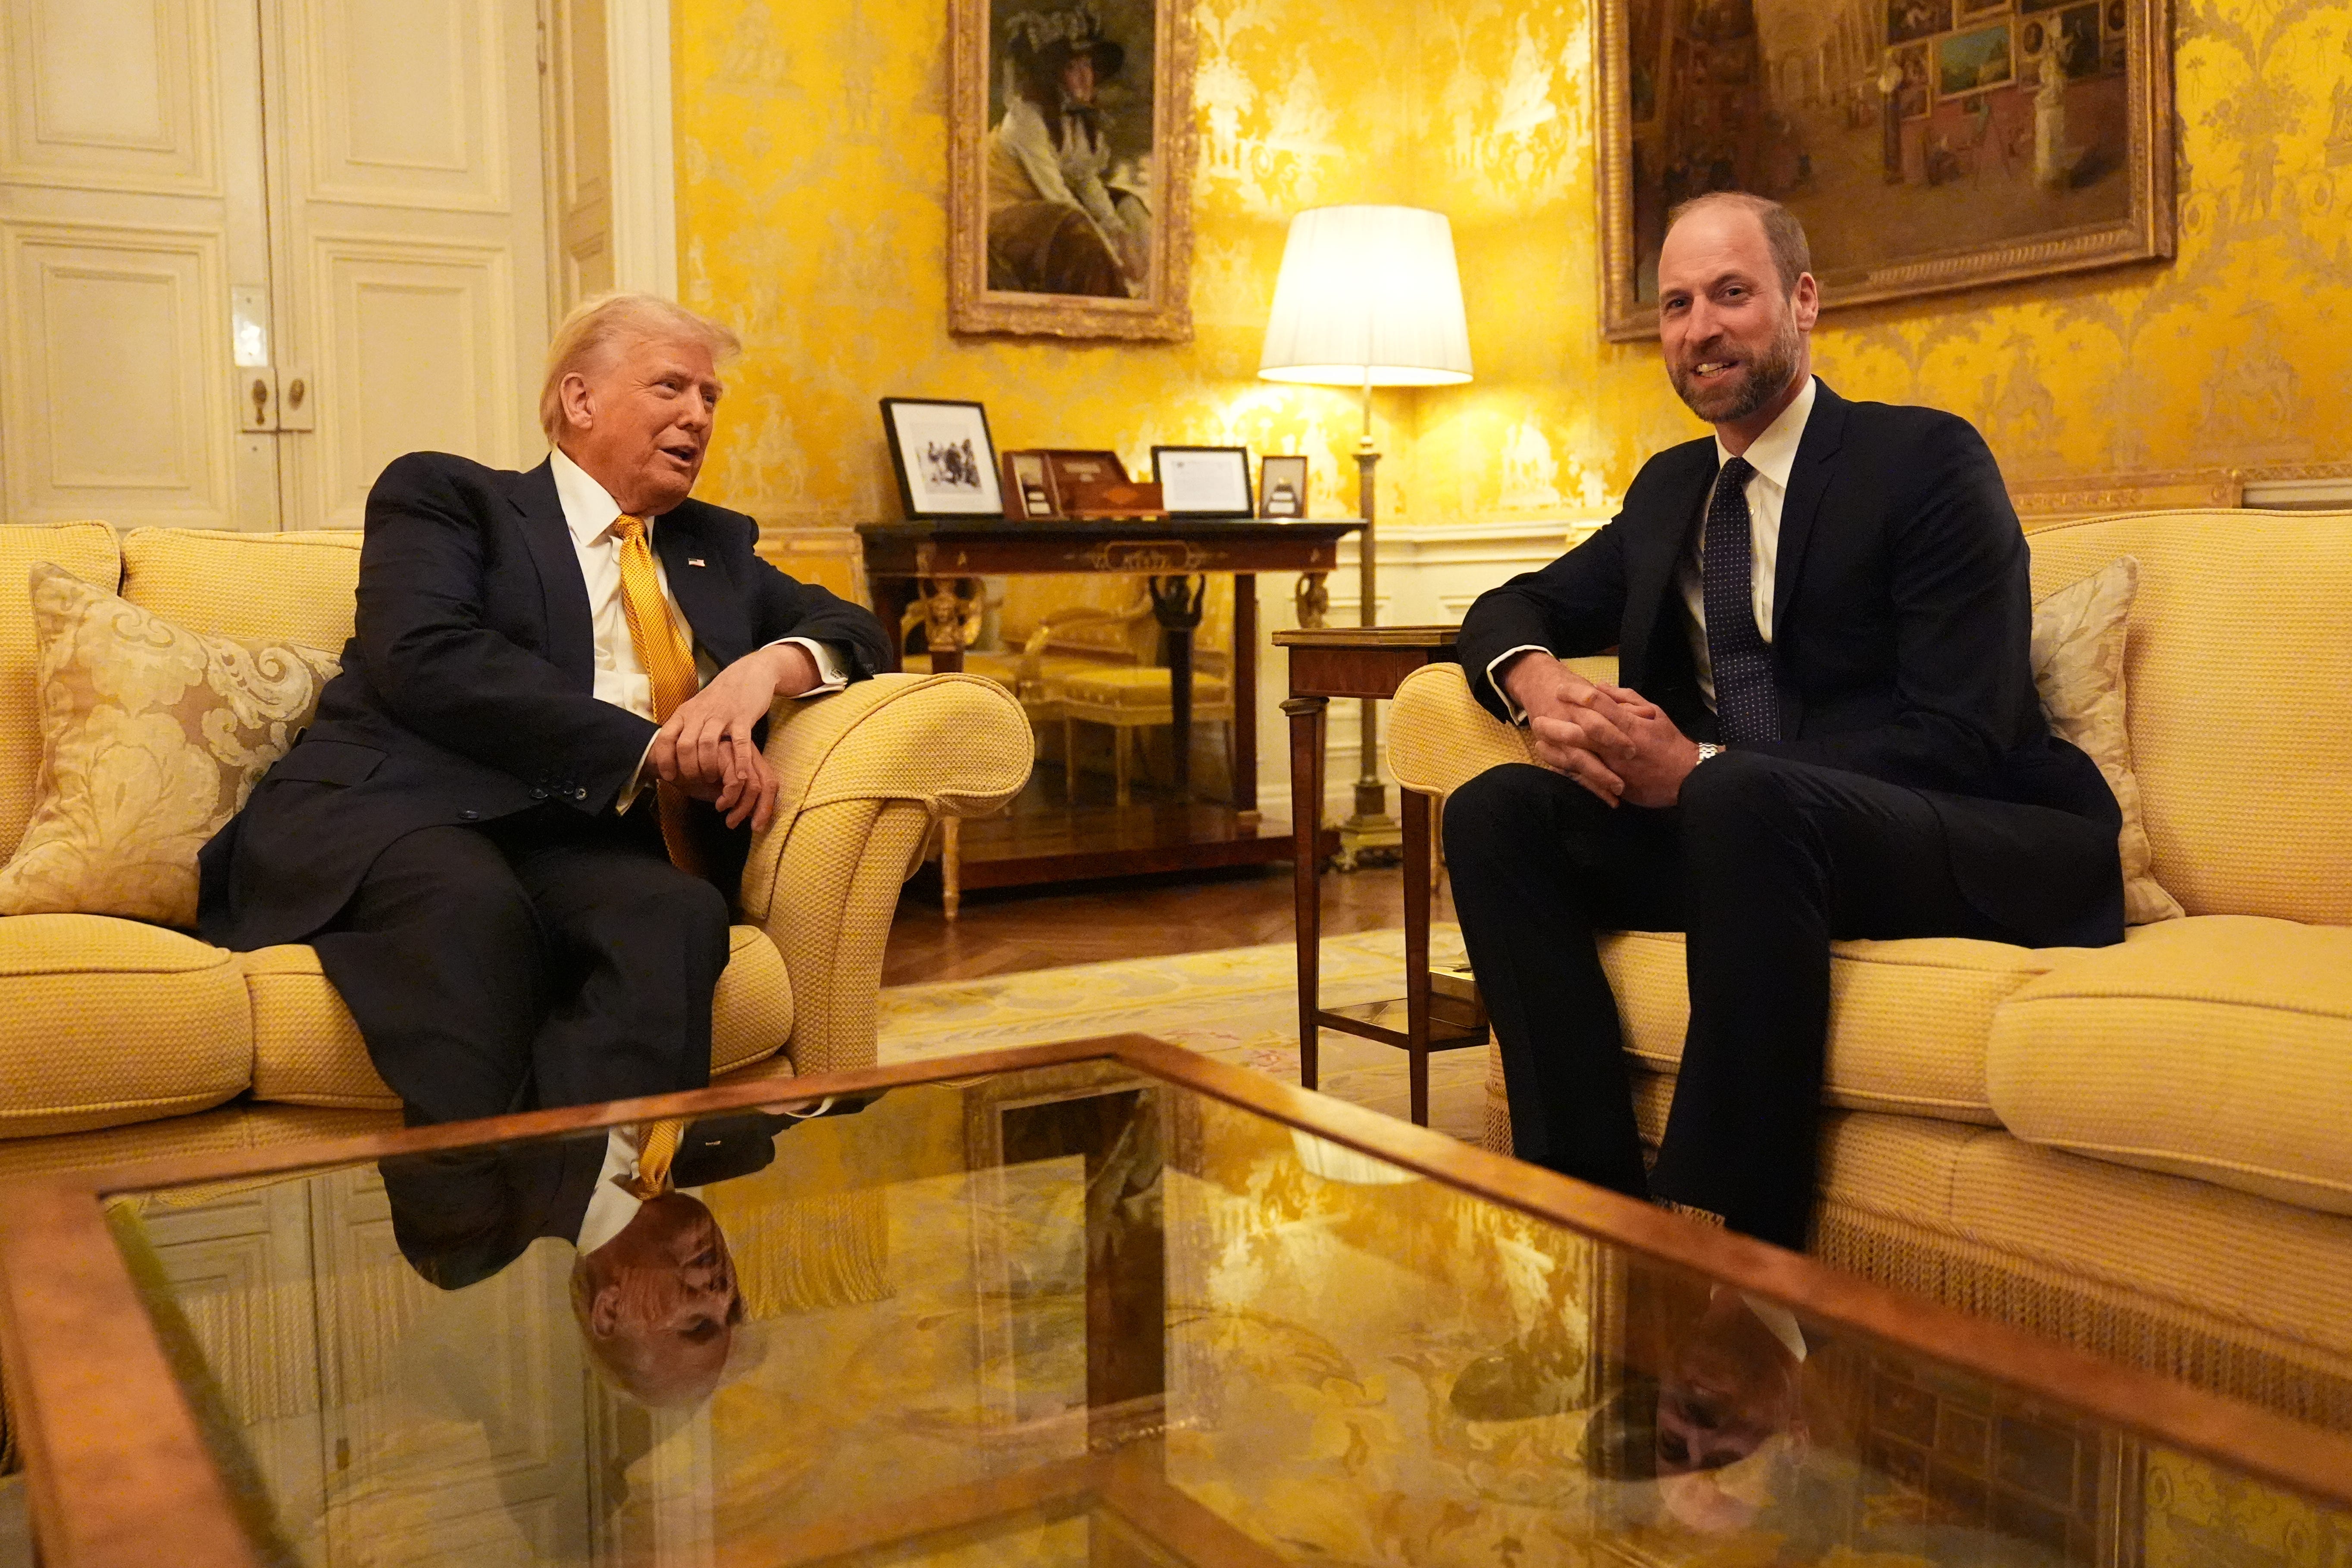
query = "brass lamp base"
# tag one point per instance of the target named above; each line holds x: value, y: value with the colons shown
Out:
x: 1370, y: 836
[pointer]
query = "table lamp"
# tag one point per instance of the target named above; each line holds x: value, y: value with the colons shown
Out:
x: 1368, y: 296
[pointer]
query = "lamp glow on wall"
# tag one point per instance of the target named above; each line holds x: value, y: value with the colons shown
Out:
x: 1368, y: 296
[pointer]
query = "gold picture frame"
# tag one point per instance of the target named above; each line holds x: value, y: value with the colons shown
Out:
x: 1136, y: 270
x: 1905, y: 188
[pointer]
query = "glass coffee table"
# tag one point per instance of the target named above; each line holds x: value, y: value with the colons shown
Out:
x: 1105, y: 1303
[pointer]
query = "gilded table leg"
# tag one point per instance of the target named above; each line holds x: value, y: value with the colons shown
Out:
x: 1306, y: 716
x: 1312, y: 599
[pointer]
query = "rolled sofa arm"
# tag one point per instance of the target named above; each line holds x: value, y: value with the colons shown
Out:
x: 863, y: 776
x: 1440, y: 739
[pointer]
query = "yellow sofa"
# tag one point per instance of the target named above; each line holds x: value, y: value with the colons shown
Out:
x: 2142, y: 1148
x: 122, y: 1040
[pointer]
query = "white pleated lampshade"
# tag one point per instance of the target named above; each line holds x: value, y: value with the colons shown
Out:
x: 1367, y: 294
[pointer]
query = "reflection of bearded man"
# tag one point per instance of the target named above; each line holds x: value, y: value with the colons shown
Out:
x: 657, y: 1304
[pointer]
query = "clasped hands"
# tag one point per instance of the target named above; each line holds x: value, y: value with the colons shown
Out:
x: 706, y: 747
x: 1609, y: 739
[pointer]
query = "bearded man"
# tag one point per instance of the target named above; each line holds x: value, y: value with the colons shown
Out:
x: 1827, y: 728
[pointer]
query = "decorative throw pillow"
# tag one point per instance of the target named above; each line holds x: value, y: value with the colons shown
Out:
x: 2078, y: 668
x: 152, y: 736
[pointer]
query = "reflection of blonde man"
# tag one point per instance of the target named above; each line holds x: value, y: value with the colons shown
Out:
x: 652, y: 1286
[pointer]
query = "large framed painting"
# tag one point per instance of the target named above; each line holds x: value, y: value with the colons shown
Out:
x: 1925, y: 144
x: 1070, y: 150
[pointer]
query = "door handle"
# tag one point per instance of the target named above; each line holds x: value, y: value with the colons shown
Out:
x: 256, y: 399
x: 298, y: 410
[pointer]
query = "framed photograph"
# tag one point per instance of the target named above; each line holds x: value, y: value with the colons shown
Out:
x: 1029, y: 486
x: 1203, y: 481
x: 1070, y: 151
x: 1282, y: 486
x: 1926, y: 145
x: 945, y: 462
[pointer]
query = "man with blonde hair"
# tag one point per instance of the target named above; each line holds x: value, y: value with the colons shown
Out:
x: 512, y: 829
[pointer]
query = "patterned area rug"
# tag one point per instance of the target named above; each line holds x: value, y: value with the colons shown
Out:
x: 1238, y: 1005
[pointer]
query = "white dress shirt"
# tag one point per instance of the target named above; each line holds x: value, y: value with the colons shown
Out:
x: 612, y: 1206
x: 1772, y: 455
x: 590, y: 512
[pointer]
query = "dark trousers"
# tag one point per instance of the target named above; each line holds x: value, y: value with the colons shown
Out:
x: 546, y: 959
x: 1762, y: 863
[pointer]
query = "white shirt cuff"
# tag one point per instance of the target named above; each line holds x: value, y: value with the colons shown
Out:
x: 831, y: 676
x: 1494, y: 677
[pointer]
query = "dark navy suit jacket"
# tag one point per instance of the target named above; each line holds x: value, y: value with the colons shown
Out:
x: 1902, y: 625
x: 467, y: 690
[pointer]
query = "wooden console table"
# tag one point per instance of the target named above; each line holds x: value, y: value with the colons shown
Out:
x: 901, y: 557
x: 1363, y: 661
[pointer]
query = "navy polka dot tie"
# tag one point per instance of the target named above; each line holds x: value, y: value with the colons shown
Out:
x: 1746, y: 706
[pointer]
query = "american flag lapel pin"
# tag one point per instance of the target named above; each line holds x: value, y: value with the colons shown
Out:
x: 695, y: 561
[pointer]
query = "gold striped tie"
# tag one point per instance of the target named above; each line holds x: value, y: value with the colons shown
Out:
x: 654, y: 1158
x: 669, y: 660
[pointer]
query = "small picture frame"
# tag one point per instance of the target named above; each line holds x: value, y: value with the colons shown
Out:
x: 1029, y: 486
x: 1203, y: 481
x: 945, y: 461
x: 1282, y: 486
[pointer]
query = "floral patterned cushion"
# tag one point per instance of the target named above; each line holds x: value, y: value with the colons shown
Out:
x: 152, y: 736
x: 2078, y: 666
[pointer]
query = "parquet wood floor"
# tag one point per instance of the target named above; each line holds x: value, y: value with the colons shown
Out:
x: 1011, y: 930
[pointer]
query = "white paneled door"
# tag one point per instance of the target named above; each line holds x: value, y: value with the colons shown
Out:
x: 250, y: 250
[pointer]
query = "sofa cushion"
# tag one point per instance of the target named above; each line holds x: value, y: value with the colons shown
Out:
x: 1908, y: 1019
x: 2079, y: 643
x: 111, y: 1021
x: 2250, y: 814
x: 88, y: 551
x: 295, y: 586
x: 2217, y: 1047
x: 308, y: 1051
x: 152, y: 738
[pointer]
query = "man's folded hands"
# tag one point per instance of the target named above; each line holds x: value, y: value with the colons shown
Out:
x: 1609, y: 739
x: 706, y: 747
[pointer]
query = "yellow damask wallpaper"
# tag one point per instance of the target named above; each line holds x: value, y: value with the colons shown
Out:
x: 812, y: 213
x: 811, y: 200
x: 2218, y: 359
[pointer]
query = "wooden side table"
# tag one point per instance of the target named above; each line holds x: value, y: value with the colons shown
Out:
x: 1364, y: 661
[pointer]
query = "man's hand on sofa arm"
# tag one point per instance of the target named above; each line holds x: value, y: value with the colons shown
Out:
x: 706, y: 747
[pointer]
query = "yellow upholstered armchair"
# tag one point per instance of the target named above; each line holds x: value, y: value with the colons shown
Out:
x: 122, y: 1038
x: 2138, y: 1148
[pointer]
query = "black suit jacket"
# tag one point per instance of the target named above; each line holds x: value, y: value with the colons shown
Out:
x: 467, y: 689
x: 1902, y: 621
x: 461, y: 1216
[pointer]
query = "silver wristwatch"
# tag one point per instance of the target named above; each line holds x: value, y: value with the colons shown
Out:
x: 1707, y: 749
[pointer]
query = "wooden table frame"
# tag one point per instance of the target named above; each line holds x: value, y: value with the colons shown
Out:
x: 119, y: 1475
x: 1363, y: 661
x: 1167, y: 551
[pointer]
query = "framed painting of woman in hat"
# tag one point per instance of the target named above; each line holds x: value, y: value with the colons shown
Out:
x: 1070, y: 152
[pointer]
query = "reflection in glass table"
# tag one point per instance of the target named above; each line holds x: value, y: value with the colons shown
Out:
x: 1124, y: 1308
